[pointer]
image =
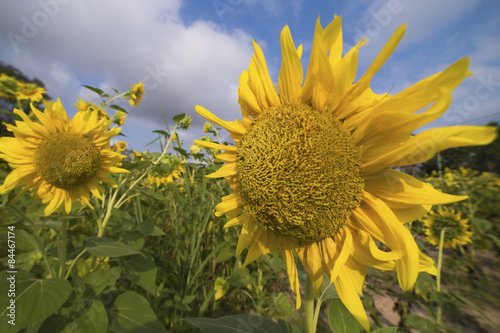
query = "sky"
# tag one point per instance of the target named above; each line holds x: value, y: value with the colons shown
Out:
x: 191, y: 53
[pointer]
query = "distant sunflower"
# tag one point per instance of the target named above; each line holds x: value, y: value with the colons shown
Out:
x: 457, y: 228
x: 311, y: 171
x: 30, y: 92
x: 62, y: 159
x: 137, y: 94
x: 167, y: 171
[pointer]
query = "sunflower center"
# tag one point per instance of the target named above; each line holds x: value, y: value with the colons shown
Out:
x: 299, y: 174
x: 67, y: 159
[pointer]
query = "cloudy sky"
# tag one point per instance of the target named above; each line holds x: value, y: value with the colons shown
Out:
x: 192, y: 52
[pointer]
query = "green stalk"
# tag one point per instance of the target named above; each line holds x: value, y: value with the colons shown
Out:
x: 310, y: 326
x: 62, y: 248
x: 438, y: 278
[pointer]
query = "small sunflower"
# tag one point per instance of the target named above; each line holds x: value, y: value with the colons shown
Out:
x: 84, y: 106
x: 30, y: 92
x: 120, y: 146
x: 167, y: 171
x: 137, y: 94
x: 119, y: 118
x: 62, y: 159
x: 310, y: 170
x: 457, y: 228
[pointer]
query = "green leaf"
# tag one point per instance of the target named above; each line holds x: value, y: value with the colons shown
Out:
x: 153, y: 195
x: 132, y: 313
x: 423, y: 325
x: 181, y: 151
x: 99, y: 280
x: 116, y: 107
x: 179, y: 117
x: 95, y: 320
x: 164, y: 133
x: 328, y: 290
x: 386, y: 330
x: 341, y: 320
x: 242, y: 323
x: 147, y: 228
x: 96, y: 90
x: 107, y: 247
x: 25, y: 240
x: 35, y: 299
x: 224, y: 254
x: 143, y: 266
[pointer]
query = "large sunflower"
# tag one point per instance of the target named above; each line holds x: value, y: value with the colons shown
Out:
x: 62, y: 159
x: 311, y: 166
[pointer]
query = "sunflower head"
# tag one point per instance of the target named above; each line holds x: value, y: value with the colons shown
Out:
x: 61, y: 159
x: 456, y: 228
x: 30, y: 92
x: 119, y: 118
x: 167, y: 171
x: 120, y: 146
x: 137, y: 94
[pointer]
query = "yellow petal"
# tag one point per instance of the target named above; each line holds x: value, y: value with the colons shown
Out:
x: 229, y: 203
x: 291, y: 75
x: 270, y: 90
x: 400, y: 187
x: 293, y: 276
x: 247, y: 231
x: 232, y: 126
x: 378, y: 220
x: 214, y: 145
x: 259, y: 247
x: 312, y: 260
x: 227, y: 157
x: 227, y: 170
x: 348, y: 295
x: 425, y: 145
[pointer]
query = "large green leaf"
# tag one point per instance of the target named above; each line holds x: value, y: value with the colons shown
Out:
x: 95, y: 320
x: 99, y: 280
x: 423, y: 325
x: 35, y: 299
x: 143, y: 266
x: 242, y: 323
x: 132, y: 313
x: 341, y: 320
x: 107, y: 247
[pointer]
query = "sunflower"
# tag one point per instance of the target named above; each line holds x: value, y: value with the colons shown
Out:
x: 84, y: 106
x: 120, y: 146
x: 62, y: 159
x: 30, y: 91
x: 310, y: 170
x: 457, y: 228
x: 137, y: 94
x: 167, y: 171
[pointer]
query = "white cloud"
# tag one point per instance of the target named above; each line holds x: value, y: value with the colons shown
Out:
x: 107, y: 45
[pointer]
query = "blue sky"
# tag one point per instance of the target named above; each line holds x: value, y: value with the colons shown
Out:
x: 193, y: 52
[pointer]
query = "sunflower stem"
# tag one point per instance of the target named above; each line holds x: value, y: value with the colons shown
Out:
x: 310, y: 326
x: 438, y: 278
x: 62, y: 248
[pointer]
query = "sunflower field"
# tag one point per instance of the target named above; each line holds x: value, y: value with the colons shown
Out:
x: 328, y: 218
